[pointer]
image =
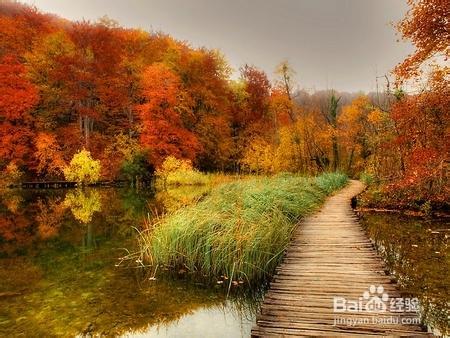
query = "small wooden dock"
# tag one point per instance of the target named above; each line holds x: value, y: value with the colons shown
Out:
x: 69, y: 184
x: 331, y: 256
x: 48, y: 185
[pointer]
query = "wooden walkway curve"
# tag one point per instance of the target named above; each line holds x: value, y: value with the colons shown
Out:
x: 330, y: 256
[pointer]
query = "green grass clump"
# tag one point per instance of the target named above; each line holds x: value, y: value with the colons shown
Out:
x: 366, y: 178
x: 330, y: 182
x: 240, y: 229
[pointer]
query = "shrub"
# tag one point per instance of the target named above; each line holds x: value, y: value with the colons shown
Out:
x: 136, y: 167
x: 175, y: 172
x: 10, y: 175
x: 83, y: 168
x: 367, y: 178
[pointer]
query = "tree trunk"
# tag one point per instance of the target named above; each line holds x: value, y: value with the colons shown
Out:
x: 335, y: 153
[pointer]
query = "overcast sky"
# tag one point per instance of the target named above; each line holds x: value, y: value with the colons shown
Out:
x: 340, y: 44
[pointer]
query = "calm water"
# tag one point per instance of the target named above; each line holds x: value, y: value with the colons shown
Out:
x: 59, y: 251
x: 58, y: 273
x: 417, y: 253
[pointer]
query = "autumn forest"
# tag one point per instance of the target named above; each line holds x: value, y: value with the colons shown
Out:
x: 131, y: 98
x: 150, y: 186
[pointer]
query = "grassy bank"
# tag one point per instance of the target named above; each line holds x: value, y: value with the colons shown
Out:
x: 240, y: 229
x: 385, y: 195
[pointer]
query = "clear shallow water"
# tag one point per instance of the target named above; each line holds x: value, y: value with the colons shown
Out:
x: 417, y: 253
x: 58, y: 275
x: 221, y: 323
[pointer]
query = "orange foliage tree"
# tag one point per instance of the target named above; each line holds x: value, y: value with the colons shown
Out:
x: 426, y: 26
x: 423, y: 140
x: 163, y: 131
x: 17, y: 97
x: 422, y: 120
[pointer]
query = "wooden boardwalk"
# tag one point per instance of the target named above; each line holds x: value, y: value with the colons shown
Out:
x: 330, y: 256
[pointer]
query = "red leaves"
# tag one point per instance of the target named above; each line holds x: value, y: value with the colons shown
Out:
x: 422, y: 139
x: 160, y: 87
x: 48, y: 155
x: 88, y: 76
x: 17, y: 97
x: 21, y: 26
x: 163, y: 130
x: 15, y: 142
x: 17, y: 94
x: 258, y: 88
x: 422, y: 121
x: 426, y: 25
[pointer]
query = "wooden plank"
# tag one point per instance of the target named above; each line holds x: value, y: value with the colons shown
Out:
x: 329, y: 256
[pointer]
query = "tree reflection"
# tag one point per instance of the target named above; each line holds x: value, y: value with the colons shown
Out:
x: 49, y: 216
x: 12, y: 202
x: 83, y: 204
x: 15, y: 228
x: 52, y: 288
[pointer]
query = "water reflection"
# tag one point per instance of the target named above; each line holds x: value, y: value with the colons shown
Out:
x: 417, y: 252
x: 59, y: 248
x: 174, y: 198
x: 58, y: 251
x: 83, y: 204
x: 193, y: 325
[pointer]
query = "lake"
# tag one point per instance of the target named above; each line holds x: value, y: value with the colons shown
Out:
x: 416, y: 251
x: 60, y: 271
x: 67, y: 268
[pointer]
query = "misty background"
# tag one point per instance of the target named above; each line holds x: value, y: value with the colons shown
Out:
x: 339, y: 44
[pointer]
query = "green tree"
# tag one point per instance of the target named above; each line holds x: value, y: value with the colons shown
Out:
x: 136, y: 167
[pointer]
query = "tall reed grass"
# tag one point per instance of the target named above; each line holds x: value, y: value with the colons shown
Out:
x: 240, y: 229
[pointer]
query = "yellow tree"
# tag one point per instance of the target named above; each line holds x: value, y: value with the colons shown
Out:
x: 362, y: 131
x: 83, y: 168
x: 351, y: 132
x: 258, y: 157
